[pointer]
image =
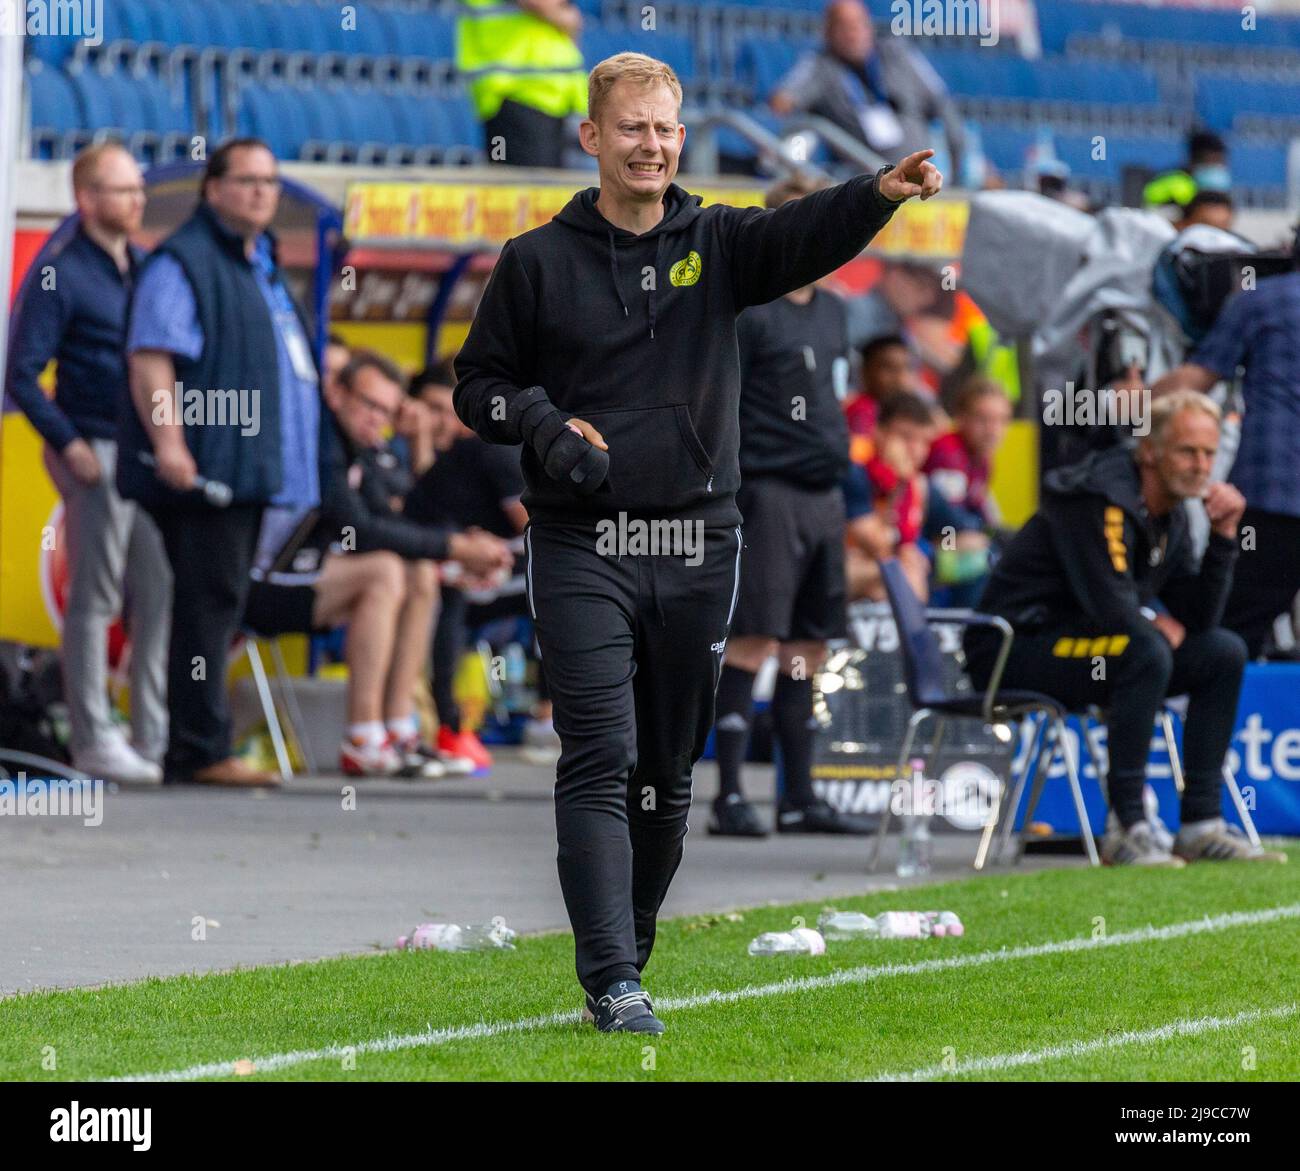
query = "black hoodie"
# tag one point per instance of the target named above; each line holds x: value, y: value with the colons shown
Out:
x: 1093, y: 553
x: 637, y: 335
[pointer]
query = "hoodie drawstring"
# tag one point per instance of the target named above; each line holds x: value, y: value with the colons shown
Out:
x: 613, y: 269
x: 654, y: 284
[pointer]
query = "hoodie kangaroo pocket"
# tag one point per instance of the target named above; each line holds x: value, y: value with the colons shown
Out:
x: 656, y: 459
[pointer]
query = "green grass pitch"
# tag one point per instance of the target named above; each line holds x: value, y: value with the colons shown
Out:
x: 1214, y: 996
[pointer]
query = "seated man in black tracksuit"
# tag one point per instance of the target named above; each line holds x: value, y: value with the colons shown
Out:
x: 357, y: 561
x: 470, y: 484
x: 1110, y: 608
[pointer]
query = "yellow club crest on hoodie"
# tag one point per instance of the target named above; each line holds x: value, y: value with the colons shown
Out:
x: 686, y: 272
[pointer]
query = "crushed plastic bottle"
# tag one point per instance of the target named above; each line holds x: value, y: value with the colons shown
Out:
x: 842, y: 925
x: 454, y: 937
x: 900, y: 926
x: 799, y: 941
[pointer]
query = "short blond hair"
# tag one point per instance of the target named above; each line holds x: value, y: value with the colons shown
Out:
x: 1168, y: 406
x: 85, y: 167
x: 634, y: 67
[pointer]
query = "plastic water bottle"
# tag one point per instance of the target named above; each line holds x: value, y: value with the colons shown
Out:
x: 914, y: 848
x: 902, y: 925
x: 799, y: 941
x: 453, y: 937
x: 846, y: 925
x: 516, y: 670
x: 842, y: 925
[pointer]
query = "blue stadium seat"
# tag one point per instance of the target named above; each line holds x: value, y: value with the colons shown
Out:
x: 52, y: 51
x: 55, y: 110
x: 165, y: 110
x: 1256, y: 164
x: 421, y: 34
x: 601, y: 41
x: 94, y: 100
x: 735, y: 145
x: 1063, y: 20
x: 1006, y: 146
x: 762, y: 61
x: 374, y: 114
x: 263, y: 113
x: 1219, y: 100
x: 463, y: 126
x: 371, y: 37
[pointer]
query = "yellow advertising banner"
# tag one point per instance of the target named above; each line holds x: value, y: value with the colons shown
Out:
x: 33, y: 569
x: 481, y: 217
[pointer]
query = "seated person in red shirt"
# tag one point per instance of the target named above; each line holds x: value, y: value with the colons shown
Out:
x: 888, y: 368
x: 885, y: 500
x: 959, y: 467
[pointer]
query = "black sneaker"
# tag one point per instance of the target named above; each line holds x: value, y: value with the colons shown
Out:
x: 821, y: 818
x: 734, y: 817
x: 625, y: 1008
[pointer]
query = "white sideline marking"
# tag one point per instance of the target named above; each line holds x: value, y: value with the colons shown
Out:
x: 1001, y: 1061
x: 858, y: 975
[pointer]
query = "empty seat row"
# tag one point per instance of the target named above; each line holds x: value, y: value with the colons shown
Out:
x: 1061, y: 20
x: 1220, y: 101
x: 358, y: 28
x: 338, y: 122
x: 145, y: 110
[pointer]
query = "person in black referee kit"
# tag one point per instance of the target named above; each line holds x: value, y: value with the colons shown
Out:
x: 606, y: 344
x: 794, y: 450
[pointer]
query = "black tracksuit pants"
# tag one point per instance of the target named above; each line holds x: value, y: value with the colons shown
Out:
x: 1139, y: 670
x: 1266, y: 579
x: 211, y: 553
x: 632, y: 649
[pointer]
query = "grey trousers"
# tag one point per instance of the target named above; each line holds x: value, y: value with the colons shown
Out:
x: 112, y: 543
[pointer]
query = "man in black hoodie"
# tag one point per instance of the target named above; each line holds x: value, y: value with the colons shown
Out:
x: 1110, y: 608
x: 622, y: 310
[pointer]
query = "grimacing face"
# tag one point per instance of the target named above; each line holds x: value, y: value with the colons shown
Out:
x: 638, y: 141
x: 1184, y: 454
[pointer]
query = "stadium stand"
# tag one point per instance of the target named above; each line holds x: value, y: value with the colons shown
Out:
x: 383, y: 88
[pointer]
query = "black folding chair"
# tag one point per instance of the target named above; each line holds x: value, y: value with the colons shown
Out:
x: 929, y: 696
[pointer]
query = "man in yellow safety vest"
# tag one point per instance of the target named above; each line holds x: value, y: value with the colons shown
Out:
x: 522, y: 64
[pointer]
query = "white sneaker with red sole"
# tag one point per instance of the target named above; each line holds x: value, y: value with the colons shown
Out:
x: 376, y: 759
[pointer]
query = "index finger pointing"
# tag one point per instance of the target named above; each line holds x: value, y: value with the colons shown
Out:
x: 914, y: 160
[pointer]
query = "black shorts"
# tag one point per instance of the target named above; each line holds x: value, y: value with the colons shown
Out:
x: 792, y: 572
x: 274, y: 609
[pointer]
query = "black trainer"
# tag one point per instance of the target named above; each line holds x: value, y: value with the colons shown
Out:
x: 625, y: 1008
x: 821, y: 817
x: 734, y: 817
